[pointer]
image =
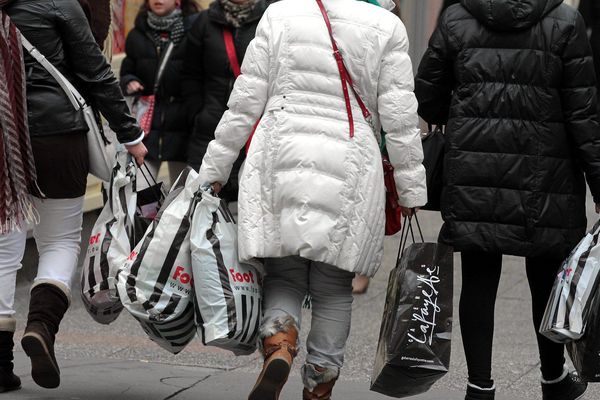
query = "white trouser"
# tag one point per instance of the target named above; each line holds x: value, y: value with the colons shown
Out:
x: 57, y: 236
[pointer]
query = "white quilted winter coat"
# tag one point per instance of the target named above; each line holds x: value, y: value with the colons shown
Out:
x: 307, y: 188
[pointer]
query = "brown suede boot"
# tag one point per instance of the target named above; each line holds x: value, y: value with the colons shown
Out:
x: 321, y: 379
x: 47, y: 307
x: 279, y: 351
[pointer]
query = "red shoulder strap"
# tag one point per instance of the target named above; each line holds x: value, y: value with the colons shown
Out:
x: 231, y: 54
x: 344, y: 75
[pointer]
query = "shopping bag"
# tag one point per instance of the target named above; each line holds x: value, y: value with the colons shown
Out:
x: 155, y: 282
x: 228, y: 292
x: 414, y: 341
x: 174, y: 335
x: 110, y: 244
x: 570, y: 302
x: 149, y: 202
x: 585, y: 352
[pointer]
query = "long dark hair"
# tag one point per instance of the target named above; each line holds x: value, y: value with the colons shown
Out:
x: 188, y: 7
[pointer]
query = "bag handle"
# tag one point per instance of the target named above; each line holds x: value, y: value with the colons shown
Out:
x: 345, y: 76
x: 231, y: 53
x: 406, y: 229
x: 163, y: 65
x: 73, y: 94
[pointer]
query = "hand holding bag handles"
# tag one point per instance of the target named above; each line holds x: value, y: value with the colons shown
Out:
x: 102, y: 152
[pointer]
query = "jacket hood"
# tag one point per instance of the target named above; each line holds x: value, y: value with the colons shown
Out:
x: 509, y: 15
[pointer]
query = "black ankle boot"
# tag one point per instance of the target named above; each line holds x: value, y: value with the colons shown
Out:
x: 46, y: 309
x: 477, y: 393
x: 8, y: 380
x: 571, y: 387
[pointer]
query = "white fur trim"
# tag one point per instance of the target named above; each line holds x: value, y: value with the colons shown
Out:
x: 484, y: 389
x: 311, y: 377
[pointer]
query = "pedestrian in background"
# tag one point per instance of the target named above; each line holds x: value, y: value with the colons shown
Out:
x: 159, y: 23
x: 60, y: 31
x: 208, y: 75
x: 311, y: 201
x: 514, y: 84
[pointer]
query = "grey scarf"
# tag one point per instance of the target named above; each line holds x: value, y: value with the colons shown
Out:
x: 237, y: 14
x: 167, y: 28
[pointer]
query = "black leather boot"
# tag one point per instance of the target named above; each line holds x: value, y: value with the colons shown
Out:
x: 46, y: 309
x: 8, y: 380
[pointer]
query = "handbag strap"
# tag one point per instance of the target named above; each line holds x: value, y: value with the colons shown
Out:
x: 73, y: 94
x: 345, y: 76
x: 163, y: 64
x: 231, y: 53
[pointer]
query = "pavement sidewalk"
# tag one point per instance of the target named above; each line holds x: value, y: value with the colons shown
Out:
x: 118, y: 362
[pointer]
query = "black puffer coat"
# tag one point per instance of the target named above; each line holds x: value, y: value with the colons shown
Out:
x: 60, y: 31
x: 515, y: 83
x: 169, y: 136
x: 208, y: 79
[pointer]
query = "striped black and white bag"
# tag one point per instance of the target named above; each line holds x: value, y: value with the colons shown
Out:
x: 228, y: 293
x: 155, y: 283
x: 571, y: 298
x: 110, y: 244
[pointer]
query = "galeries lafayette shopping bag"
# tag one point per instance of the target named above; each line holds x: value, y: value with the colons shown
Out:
x: 570, y: 302
x: 414, y: 343
x: 155, y: 284
x: 110, y: 244
x: 228, y: 293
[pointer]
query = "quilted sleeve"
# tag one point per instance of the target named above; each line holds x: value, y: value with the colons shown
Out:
x: 435, y: 78
x: 579, y: 104
x: 398, y: 115
x: 246, y: 105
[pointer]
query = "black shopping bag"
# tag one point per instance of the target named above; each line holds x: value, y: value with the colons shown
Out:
x: 149, y: 201
x: 585, y: 352
x: 414, y: 341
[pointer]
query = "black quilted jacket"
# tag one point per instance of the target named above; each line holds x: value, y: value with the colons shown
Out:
x: 60, y: 31
x: 514, y: 82
x: 208, y: 79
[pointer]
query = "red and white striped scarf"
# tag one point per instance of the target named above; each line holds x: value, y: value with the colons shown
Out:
x: 17, y: 167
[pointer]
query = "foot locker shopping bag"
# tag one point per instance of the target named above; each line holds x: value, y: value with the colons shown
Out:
x: 110, y: 244
x: 228, y: 293
x: 155, y: 283
x: 414, y: 342
x: 570, y: 301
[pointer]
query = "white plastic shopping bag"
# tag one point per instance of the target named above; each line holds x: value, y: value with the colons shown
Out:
x: 577, y: 281
x: 110, y: 244
x: 155, y: 283
x: 228, y: 293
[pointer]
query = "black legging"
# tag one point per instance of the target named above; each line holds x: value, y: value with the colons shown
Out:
x: 480, y: 278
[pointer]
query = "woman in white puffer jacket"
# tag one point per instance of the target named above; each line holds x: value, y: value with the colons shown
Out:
x: 311, y: 201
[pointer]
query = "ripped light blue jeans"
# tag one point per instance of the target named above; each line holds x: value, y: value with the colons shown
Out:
x: 286, y: 284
